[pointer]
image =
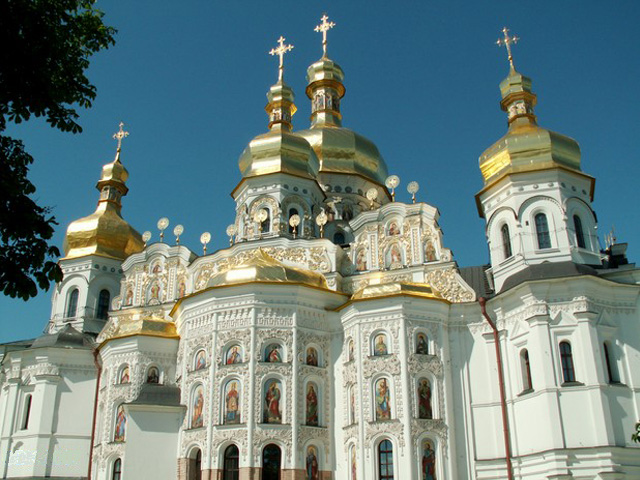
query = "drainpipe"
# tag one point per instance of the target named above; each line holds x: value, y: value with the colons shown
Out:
x: 95, y: 410
x: 503, y: 400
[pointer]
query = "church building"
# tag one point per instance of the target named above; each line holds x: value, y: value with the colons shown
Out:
x: 336, y: 338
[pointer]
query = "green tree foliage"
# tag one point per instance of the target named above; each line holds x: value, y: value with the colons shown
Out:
x: 46, y: 47
x: 636, y: 436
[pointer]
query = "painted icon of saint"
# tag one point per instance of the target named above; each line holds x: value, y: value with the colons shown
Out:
x: 422, y: 347
x: 352, y: 405
x: 383, y: 400
x: 197, y: 418
x: 155, y: 292
x: 153, y: 375
x: 428, y: 462
x: 312, y: 405
x: 182, y: 289
x: 232, y: 404
x: 124, y: 375
x: 393, y: 228
x: 129, y: 298
x: 352, y: 349
x: 201, y: 360
x: 273, y: 393
x: 312, y: 357
x: 234, y: 355
x: 121, y: 425
x: 430, y: 252
x: 380, y: 345
x: 353, y: 463
x: 396, y: 256
x: 361, y: 260
x: 313, y: 469
x: 273, y: 354
x: 424, y: 399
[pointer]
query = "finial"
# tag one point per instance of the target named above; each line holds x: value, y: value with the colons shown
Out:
x: 324, y: 27
x: 163, y: 223
x: 119, y: 135
x: 507, y: 41
x: 280, y: 50
x: 392, y: 183
x: 413, y: 188
x: 177, y: 231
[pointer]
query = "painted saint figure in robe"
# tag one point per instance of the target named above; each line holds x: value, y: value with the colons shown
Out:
x: 380, y: 345
x: 424, y: 399
x: 121, y: 424
x: 383, y: 400
x: 153, y: 375
x: 312, y: 405
x: 124, y: 375
x: 155, y: 292
x: 428, y: 470
x: 422, y: 347
x: 313, y: 470
x: 273, y: 354
x: 129, y: 298
x: 201, y: 360
x: 182, y: 289
x: 272, y: 412
x: 352, y: 405
x: 361, y: 260
x: 430, y: 252
x: 353, y: 463
x: 197, y: 417
x: 234, y: 355
x: 312, y: 357
x: 393, y: 228
x: 395, y: 255
x: 232, y: 404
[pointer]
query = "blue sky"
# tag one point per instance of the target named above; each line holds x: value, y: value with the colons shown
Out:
x: 189, y: 80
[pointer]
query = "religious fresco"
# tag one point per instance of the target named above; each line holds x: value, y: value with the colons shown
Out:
x: 383, y: 400
x: 354, y: 475
x: 430, y: 252
x: 273, y: 353
x: 312, y: 405
x: 154, y: 292
x: 313, y: 467
x: 361, y: 260
x: 394, y: 255
x: 124, y: 375
x: 272, y: 402
x: 153, y: 375
x: 197, y: 405
x: 121, y: 425
x: 393, y: 228
x: 182, y: 288
x: 424, y: 399
x: 351, y: 350
x: 128, y: 298
x: 352, y: 405
x: 380, y: 345
x: 422, y: 345
x: 232, y: 403
x: 312, y: 357
x: 428, y: 462
x: 201, y: 360
x: 234, y: 355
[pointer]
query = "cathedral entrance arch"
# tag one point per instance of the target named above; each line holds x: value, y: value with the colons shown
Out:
x: 271, y: 460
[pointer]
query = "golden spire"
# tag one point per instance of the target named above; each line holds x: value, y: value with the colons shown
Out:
x: 119, y: 135
x: 280, y: 50
x: 324, y: 27
x: 506, y: 42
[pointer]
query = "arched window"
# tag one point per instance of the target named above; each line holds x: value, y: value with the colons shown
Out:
x: 612, y: 371
x: 266, y: 225
x: 72, y: 303
x: 231, y: 468
x: 385, y: 460
x: 506, y: 241
x: 338, y: 238
x: 566, y: 358
x: 292, y: 212
x: 27, y: 412
x: 103, y: 304
x: 526, y: 371
x: 577, y: 224
x: 117, y: 470
x: 271, y: 459
x: 542, y: 231
x: 198, y: 465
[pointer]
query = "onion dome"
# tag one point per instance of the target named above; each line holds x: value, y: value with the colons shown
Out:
x: 339, y: 149
x: 279, y: 150
x: 262, y: 268
x: 105, y: 232
x: 526, y: 146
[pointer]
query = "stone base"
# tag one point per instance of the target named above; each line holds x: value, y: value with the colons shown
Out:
x: 255, y: 473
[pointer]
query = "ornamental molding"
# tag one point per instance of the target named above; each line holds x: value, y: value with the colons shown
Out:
x: 449, y: 284
x: 278, y: 434
x: 225, y: 435
x: 374, y: 429
x: 434, y: 428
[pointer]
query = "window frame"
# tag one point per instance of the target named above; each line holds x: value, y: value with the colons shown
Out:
x: 566, y: 362
x: 543, y: 234
x: 389, y: 454
x: 231, y: 472
x: 505, y: 234
x: 102, y: 309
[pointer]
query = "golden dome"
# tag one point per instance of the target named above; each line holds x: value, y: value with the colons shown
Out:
x: 263, y: 268
x: 526, y: 146
x: 339, y: 149
x: 105, y: 232
x: 150, y: 327
x: 391, y: 289
x: 279, y: 150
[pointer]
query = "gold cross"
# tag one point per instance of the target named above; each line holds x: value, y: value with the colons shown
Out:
x: 324, y: 27
x: 280, y: 50
x: 120, y: 135
x: 507, y: 41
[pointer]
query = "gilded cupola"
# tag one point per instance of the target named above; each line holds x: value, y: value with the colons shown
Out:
x: 105, y: 232
x: 526, y: 146
x: 279, y: 150
x: 339, y: 149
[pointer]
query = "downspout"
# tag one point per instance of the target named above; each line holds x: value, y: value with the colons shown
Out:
x: 95, y: 410
x: 503, y: 400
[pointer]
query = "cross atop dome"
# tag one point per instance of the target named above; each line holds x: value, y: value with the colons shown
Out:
x: 280, y: 50
x: 119, y: 135
x: 506, y: 42
x: 324, y: 27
